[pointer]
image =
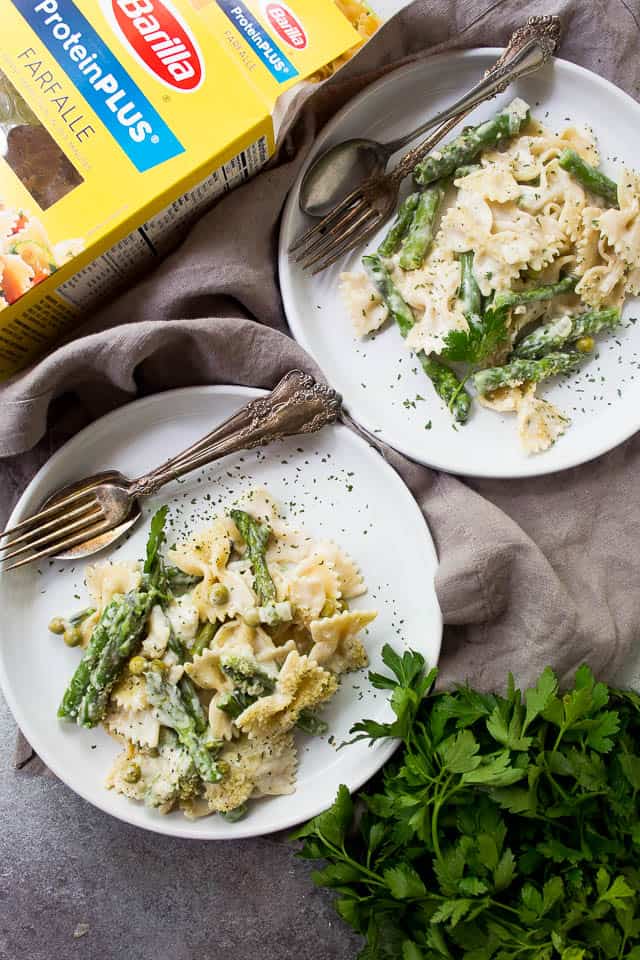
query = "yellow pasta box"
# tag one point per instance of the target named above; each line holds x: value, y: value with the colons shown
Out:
x: 120, y: 121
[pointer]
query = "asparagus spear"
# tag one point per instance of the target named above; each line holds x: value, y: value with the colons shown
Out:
x: 469, y: 292
x: 399, y: 310
x: 419, y: 236
x: 525, y: 371
x: 472, y: 141
x: 546, y: 291
x: 115, y: 638
x: 187, y: 687
x: 179, y: 582
x: 465, y: 170
x: 447, y: 386
x: 123, y: 616
x: 172, y: 712
x: 444, y: 380
x: 203, y: 639
x: 590, y: 177
x: 256, y: 536
x: 400, y: 225
x: 557, y: 333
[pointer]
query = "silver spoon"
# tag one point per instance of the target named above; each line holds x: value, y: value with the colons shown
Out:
x: 296, y: 405
x: 342, y: 168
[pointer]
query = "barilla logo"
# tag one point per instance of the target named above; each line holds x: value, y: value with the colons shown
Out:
x: 258, y: 38
x: 159, y: 39
x: 286, y: 25
x: 98, y: 75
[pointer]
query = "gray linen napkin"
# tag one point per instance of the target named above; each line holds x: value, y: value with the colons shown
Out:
x: 532, y: 571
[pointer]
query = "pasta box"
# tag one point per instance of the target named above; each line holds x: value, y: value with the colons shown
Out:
x: 120, y: 121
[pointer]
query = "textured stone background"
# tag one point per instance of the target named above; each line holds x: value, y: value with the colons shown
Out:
x: 145, y: 897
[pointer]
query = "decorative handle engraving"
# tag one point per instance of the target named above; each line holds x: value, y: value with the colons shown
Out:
x: 297, y: 404
x: 529, y: 48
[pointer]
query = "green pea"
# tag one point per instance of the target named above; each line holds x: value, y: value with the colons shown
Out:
x: 132, y: 773
x: 585, y: 344
x: 219, y: 594
x: 57, y: 625
x: 72, y: 637
x: 137, y: 665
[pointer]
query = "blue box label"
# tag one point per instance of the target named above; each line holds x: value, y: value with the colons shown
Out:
x: 104, y: 83
x: 264, y: 46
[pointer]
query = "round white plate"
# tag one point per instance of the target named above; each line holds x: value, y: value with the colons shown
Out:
x: 332, y: 482
x: 382, y: 384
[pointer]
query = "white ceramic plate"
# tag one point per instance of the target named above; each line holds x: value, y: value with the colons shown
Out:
x: 333, y: 482
x: 378, y: 377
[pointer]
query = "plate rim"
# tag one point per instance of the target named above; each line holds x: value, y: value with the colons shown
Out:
x: 534, y: 466
x: 383, y: 749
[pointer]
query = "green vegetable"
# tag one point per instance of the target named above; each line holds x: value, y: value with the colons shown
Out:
x: 133, y: 772
x: 464, y: 171
x: 72, y: 637
x: 471, y: 142
x: 57, y: 625
x: 256, y: 536
x: 400, y: 225
x: 419, y: 236
x: 115, y: 638
x: 174, y: 713
x: 179, y: 582
x: 77, y: 618
x: 219, y: 594
x: 247, y: 676
x: 238, y: 813
x: 545, y: 291
x: 558, y: 333
x: 137, y: 665
x: 203, y: 639
x: 505, y: 829
x: 310, y: 723
x: 482, y: 339
x: 122, y: 622
x: 469, y: 292
x: 525, y: 371
x: 445, y: 382
x: 186, y: 685
x: 250, y: 682
x: 590, y: 177
x: 400, y: 311
x: 447, y: 385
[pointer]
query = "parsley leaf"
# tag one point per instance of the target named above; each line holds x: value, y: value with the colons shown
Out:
x: 474, y: 345
x: 506, y: 827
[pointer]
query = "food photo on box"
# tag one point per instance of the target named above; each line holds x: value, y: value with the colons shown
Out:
x: 320, y: 523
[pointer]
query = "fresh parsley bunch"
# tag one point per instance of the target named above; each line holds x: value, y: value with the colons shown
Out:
x: 507, y: 828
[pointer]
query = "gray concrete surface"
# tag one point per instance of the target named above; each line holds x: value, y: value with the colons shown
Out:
x: 145, y: 897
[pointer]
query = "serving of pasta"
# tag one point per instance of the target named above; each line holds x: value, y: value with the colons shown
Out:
x: 205, y: 661
x: 511, y: 255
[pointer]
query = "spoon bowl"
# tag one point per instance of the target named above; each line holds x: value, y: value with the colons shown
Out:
x: 338, y: 171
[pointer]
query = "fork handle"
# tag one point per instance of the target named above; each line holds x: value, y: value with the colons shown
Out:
x: 529, y: 48
x: 296, y: 405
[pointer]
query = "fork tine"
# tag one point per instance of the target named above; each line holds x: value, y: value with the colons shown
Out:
x: 48, y: 511
x: 78, y: 525
x: 332, y: 233
x: 327, y: 221
x: 343, y: 248
x: 29, y: 534
x: 341, y: 242
x: 58, y: 546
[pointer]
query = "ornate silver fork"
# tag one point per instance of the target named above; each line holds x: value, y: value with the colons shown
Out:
x: 93, y: 512
x: 363, y: 210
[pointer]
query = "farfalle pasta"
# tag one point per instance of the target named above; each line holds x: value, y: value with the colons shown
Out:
x: 531, y: 239
x: 26, y: 255
x: 243, y: 633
